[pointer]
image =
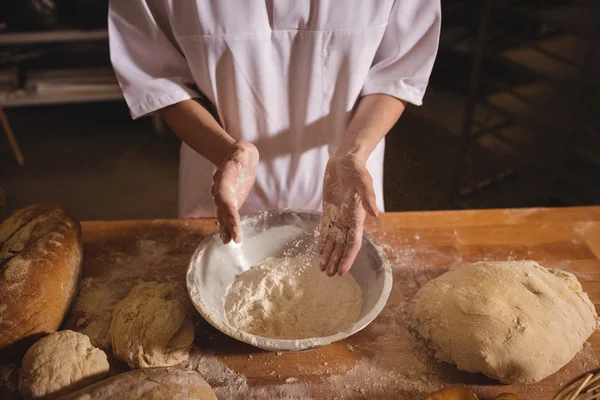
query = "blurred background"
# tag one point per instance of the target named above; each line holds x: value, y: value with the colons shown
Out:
x: 511, y: 116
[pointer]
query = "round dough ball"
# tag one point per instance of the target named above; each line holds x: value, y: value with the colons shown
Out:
x: 60, y: 363
x: 514, y: 321
x: 151, y: 327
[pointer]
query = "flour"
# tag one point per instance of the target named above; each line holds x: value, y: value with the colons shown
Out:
x: 329, y: 223
x: 290, y: 298
x: 386, y: 360
x: 144, y: 260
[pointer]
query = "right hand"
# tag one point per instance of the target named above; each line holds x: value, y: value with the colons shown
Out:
x: 231, y: 186
x: 347, y: 197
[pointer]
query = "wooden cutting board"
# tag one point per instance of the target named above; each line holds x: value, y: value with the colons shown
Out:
x: 386, y: 359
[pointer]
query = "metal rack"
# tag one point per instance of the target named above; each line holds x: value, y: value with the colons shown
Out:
x: 538, y: 122
x: 79, y: 85
x: 26, y: 95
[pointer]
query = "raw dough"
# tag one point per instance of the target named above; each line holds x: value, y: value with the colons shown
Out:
x: 290, y: 298
x: 514, y: 321
x: 151, y: 326
x: 60, y: 363
x: 161, y: 383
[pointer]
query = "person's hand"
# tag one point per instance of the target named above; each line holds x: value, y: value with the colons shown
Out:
x: 231, y: 186
x: 347, y: 196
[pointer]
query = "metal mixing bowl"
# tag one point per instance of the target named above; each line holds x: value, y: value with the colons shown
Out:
x: 215, y: 266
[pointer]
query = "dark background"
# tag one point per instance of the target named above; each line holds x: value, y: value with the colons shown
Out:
x: 510, y: 117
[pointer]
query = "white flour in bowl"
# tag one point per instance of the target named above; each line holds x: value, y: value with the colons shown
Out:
x: 290, y: 298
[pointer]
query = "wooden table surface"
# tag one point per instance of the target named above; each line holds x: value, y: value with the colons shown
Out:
x: 386, y: 359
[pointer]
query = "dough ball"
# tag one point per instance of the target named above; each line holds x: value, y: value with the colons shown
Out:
x: 161, y: 383
x: 514, y: 321
x: 151, y: 326
x: 61, y: 363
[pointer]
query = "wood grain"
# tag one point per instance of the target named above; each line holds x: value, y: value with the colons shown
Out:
x: 428, y: 242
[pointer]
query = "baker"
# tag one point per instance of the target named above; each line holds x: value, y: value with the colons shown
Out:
x: 279, y: 104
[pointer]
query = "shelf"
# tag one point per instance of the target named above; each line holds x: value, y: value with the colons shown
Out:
x: 24, y: 98
x: 576, y: 18
x: 475, y: 187
x: 566, y: 198
x: 536, y: 70
x: 541, y: 64
x: 51, y: 36
x: 535, y: 104
x: 509, y: 149
x: 585, y: 155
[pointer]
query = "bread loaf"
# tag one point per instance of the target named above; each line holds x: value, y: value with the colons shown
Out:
x: 158, y: 383
x: 41, y: 255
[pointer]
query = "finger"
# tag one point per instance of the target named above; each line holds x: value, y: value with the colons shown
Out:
x: 236, y: 227
x: 322, y: 239
x: 229, y: 223
x: 217, y: 177
x: 225, y: 237
x: 334, y: 260
x: 229, y: 217
x: 353, y: 245
x: 223, y: 231
x: 321, y: 244
x: 367, y: 194
x: 232, y: 219
x: 326, y: 254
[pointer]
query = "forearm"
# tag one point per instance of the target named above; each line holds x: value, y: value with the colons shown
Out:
x: 196, y: 127
x: 374, y: 117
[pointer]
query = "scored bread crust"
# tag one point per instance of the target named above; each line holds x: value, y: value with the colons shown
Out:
x: 41, y: 255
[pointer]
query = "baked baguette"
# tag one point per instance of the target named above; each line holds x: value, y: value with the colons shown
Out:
x: 41, y: 254
x: 157, y: 383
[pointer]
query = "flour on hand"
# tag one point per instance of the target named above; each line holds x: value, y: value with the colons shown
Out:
x: 289, y: 298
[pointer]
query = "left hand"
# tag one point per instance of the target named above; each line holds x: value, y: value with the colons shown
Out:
x: 231, y: 186
x: 347, y: 196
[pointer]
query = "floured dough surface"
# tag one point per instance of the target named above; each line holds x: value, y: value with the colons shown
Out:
x: 514, y: 321
x: 151, y: 326
x: 290, y: 298
x: 60, y: 363
x: 163, y: 383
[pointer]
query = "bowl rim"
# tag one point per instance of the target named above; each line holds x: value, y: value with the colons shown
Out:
x: 271, y: 344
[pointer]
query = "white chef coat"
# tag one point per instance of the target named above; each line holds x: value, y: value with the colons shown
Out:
x: 282, y: 74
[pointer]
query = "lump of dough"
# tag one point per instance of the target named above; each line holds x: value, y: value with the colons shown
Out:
x: 60, y: 363
x: 159, y: 383
x: 514, y: 321
x: 151, y: 327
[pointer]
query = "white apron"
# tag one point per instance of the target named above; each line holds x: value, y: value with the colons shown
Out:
x: 284, y: 75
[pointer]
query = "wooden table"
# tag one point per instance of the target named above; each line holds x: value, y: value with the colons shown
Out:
x: 385, y: 360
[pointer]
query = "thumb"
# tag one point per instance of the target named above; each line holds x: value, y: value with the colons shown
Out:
x: 367, y: 194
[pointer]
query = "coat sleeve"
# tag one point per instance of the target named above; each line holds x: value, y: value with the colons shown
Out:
x: 150, y: 68
x: 405, y: 57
